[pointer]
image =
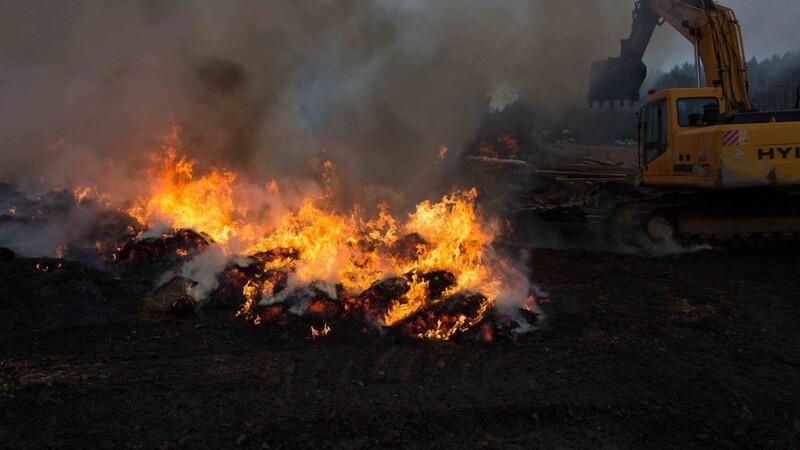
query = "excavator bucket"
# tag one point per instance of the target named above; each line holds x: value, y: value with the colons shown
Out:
x: 616, y: 80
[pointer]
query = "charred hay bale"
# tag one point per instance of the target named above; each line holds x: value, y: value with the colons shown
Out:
x: 382, y: 293
x: 407, y: 247
x: 6, y: 254
x: 281, y: 322
x: 502, y: 326
x: 277, y: 314
x: 175, y: 246
x: 445, y: 319
x: 149, y: 258
x: 99, y: 244
x: 232, y: 282
x: 323, y: 296
x: 230, y: 293
x: 325, y: 307
x: 316, y: 299
x: 376, y: 301
x: 168, y: 301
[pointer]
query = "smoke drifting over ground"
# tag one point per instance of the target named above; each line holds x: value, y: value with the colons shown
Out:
x: 273, y: 88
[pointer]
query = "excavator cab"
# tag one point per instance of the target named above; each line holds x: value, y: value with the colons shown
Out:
x: 616, y: 80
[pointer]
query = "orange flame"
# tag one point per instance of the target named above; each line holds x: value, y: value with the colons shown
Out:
x: 205, y: 204
x: 328, y: 246
x: 442, y: 152
x: 322, y: 332
x: 81, y: 194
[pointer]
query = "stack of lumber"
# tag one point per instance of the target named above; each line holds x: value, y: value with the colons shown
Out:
x: 589, y: 170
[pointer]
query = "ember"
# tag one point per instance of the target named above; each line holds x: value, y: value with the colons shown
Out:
x: 320, y: 333
x: 48, y: 266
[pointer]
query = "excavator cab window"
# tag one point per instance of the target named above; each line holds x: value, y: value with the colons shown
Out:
x: 655, y: 131
x: 690, y: 110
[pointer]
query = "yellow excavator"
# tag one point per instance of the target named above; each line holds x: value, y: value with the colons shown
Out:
x: 718, y: 168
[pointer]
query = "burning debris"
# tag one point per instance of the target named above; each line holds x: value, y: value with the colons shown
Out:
x: 176, y: 246
x: 442, y: 320
x: 151, y: 256
x: 75, y: 225
x: 433, y: 276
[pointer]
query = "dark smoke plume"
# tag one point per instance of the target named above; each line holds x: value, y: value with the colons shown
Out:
x: 266, y: 87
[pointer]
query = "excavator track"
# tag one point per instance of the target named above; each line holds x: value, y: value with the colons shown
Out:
x: 710, y: 216
x: 624, y: 216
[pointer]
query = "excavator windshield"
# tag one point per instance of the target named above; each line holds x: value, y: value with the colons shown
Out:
x: 691, y: 110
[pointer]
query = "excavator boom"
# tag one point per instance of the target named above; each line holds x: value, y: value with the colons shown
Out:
x: 712, y: 28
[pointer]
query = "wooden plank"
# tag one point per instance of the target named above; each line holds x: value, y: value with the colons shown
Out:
x: 588, y: 179
x: 486, y: 160
x: 590, y: 168
x: 602, y: 162
x: 569, y: 173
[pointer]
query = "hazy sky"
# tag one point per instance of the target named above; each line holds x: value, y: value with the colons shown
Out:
x: 767, y: 27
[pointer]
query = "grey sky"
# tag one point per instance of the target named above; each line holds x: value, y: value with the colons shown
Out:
x: 768, y: 28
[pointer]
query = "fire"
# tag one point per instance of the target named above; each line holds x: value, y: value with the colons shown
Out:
x: 458, y: 238
x: 446, y: 275
x: 46, y: 267
x: 212, y: 203
x: 81, y: 194
x: 318, y: 236
x: 206, y: 203
x: 415, y: 299
x: 505, y: 147
x: 442, y: 152
x: 322, y: 332
x: 510, y: 143
x: 250, y: 291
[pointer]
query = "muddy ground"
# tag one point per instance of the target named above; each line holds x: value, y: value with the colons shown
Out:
x: 697, y: 350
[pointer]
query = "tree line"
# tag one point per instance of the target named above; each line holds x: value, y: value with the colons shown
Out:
x: 773, y: 86
x: 773, y: 81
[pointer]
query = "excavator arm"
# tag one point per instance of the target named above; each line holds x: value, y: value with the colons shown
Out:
x: 712, y: 28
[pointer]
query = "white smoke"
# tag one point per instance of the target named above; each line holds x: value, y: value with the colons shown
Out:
x: 204, y: 270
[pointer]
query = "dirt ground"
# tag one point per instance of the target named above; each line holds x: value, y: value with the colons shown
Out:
x: 696, y: 350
